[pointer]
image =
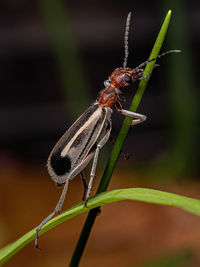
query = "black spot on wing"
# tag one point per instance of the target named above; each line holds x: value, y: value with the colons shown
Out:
x: 60, y: 165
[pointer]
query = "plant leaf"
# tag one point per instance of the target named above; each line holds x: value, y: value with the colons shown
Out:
x: 139, y: 194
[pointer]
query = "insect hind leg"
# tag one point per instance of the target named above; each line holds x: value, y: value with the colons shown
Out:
x: 57, y: 210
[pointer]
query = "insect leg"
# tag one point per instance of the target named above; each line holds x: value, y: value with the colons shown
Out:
x: 57, y: 209
x: 94, y: 165
x: 81, y: 166
x: 77, y: 170
x: 85, y: 186
x: 138, y: 118
x: 62, y: 197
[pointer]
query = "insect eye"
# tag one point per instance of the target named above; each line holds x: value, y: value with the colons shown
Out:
x: 127, y: 79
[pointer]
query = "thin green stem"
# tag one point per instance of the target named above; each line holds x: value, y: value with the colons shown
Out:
x: 118, y: 144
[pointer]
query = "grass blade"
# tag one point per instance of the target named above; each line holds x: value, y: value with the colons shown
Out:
x: 138, y: 194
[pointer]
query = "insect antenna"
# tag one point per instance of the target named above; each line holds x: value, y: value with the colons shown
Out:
x: 159, y: 56
x: 126, y: 40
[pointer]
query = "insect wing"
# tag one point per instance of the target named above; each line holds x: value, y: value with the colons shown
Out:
x: 76, y: 143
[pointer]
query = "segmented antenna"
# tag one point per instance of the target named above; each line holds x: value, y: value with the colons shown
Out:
x: 159, y: 56
x: 126, y: 40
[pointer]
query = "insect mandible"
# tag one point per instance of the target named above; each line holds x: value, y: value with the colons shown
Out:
x: 90, y: 132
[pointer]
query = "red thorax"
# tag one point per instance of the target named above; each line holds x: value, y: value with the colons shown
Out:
x: 120, y: 77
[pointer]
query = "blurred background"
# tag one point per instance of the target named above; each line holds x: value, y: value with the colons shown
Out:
x: 54, y: 58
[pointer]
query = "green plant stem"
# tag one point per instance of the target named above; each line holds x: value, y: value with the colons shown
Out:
x: 118, y: 145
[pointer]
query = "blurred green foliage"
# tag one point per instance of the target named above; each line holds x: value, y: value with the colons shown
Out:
x: 66, y: 54
x: 180, y: 158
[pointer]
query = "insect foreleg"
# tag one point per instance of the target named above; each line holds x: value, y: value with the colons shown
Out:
x: 57, y: 209
x: 138, y: 118
x: 94, y: 165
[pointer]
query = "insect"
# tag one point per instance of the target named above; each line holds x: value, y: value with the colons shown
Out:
x: 90, y: 132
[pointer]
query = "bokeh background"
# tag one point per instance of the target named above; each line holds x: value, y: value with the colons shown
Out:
x: 54, y: 57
